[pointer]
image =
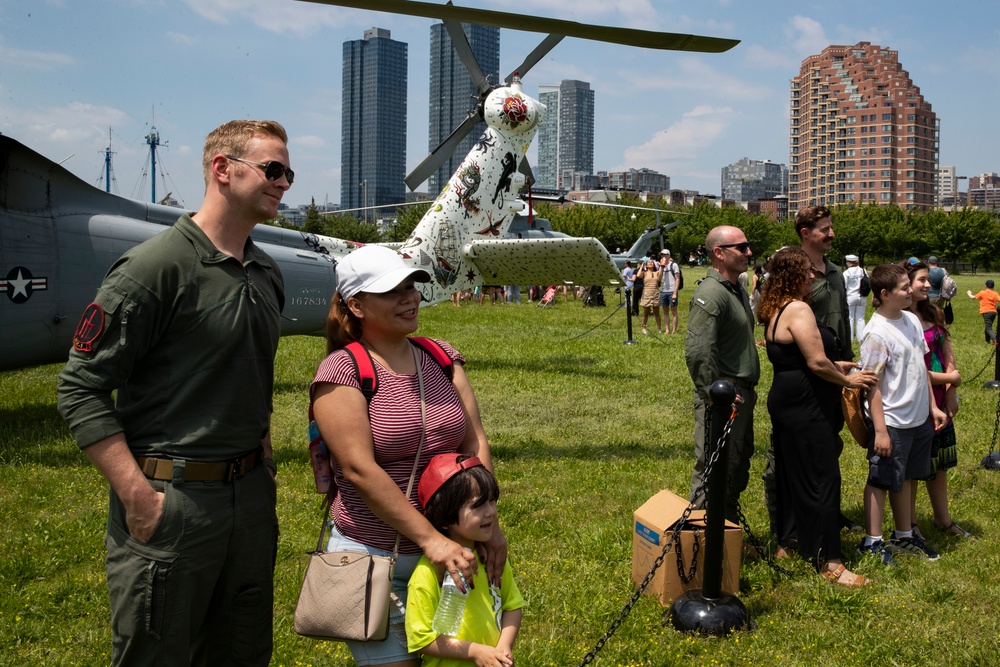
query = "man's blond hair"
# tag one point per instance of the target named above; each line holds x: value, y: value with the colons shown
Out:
x: 234, y: 137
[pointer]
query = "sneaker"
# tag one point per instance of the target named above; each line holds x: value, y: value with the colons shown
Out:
x: 913, y: 546
x: 878, y: 550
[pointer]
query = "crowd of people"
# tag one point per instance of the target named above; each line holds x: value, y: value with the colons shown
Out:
x: 185, y: 328
x: 812, y: 314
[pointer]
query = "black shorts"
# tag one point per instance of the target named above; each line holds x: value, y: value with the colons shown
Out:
x: 910, y: 457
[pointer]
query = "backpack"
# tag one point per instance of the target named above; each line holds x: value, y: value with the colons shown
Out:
x: 864, y: 287
x: 364, y: 371
x: 680, y: 278
x: 948, y: 288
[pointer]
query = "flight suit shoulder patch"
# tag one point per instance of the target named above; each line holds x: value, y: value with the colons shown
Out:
x: 89, y: 329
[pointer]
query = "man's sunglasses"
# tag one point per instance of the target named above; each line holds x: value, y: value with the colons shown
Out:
x: 739, y: 247
x: 273, y: 170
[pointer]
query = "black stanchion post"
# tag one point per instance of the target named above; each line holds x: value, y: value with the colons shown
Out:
x: 995, y: 382
x: 628, y: 307
x: 709, y: 610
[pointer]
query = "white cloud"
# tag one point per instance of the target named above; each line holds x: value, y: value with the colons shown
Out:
x: 298, y: 18
x: 681, y: 142
x: 179, y: 38
x: 693, y: 74
x: 308, y: 141
x: 758, y: 57
x: 630, y: 13
x: 35, y: 60
x: 75, y: 122
x: 806, y: 36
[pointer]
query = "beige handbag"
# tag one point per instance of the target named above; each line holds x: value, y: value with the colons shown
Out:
x: 345, y: 595
x: 854, y: 405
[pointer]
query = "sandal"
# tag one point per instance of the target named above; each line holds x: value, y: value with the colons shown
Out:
x: 833, y: 576
x: 956, y: 530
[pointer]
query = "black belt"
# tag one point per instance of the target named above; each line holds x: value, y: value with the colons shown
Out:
x: 740, y: 382
x: 199, y: 471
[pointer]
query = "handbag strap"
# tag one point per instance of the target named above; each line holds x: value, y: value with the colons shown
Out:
x: 416, y: 461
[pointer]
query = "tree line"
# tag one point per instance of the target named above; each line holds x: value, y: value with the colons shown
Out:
x: 875, y: 233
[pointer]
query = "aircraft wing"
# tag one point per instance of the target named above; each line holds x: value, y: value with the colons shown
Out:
x: 543, y: 262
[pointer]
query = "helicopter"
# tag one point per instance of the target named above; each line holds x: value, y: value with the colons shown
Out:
x: 60, y: 235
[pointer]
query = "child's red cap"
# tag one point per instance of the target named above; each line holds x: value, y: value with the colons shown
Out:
x: 439, y: 470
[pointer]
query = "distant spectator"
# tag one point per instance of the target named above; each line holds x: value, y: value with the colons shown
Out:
x: 856, y: 304
x: 650, y: 302
x: 988, y: 309
x: 936, y: 275
x: 669, y: 272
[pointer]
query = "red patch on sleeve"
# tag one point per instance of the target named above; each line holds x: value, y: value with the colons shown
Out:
x: 89, y: 329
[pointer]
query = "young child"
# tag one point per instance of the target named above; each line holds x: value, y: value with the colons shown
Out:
x: 987, y: 308
x: 899, y: 450
x: 459, y: 496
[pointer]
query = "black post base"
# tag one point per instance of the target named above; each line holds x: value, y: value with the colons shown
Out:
x: 991, y: 384
x: 693, y: 613
x: 992, y: 461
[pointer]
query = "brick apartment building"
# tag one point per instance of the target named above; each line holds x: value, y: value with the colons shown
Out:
x: 860, y: 132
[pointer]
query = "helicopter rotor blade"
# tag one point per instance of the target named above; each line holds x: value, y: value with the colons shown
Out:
x: 444, y: 150
x: 464, y: 51
x: 647, y: 39
x: 539, y: 52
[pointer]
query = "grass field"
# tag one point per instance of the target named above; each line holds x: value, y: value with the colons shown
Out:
x: 583, y: 432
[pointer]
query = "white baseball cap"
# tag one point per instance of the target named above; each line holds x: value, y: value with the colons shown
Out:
x: 664, y: 252
x: 375, y: 269
x: 850, y: 258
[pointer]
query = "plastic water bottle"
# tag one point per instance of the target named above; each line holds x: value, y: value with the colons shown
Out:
x: 451, y: 607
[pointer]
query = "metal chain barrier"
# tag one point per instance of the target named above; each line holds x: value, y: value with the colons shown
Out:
x: 674, y: 539
x: 615, y: 310
x: 983, y: 369
x: 756, y: 543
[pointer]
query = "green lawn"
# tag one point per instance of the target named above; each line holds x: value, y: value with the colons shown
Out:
x: 583, y: 432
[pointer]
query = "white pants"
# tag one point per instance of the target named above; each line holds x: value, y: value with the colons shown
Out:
x: 856, y: 312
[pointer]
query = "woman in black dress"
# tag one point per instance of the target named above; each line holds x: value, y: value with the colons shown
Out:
x: 804, y: 404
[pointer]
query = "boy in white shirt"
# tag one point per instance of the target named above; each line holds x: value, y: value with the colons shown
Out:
x: 903, y: 413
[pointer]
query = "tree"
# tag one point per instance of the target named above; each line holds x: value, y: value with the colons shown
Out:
x: 349, y: 228
x: 314, y: 221
x: 405, y: 221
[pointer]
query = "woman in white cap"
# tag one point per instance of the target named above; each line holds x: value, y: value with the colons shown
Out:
x: 373, y: 441
x: 856, y: 302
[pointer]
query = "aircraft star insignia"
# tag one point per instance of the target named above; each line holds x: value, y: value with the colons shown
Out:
x: 20, y: 284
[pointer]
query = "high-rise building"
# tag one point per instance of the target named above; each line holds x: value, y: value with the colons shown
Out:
x: 947, y: 185
x: 452, y: 93
x: 566, y: 134
x: 373, y: 121
x: 861, y: 132
x: 753, y: 180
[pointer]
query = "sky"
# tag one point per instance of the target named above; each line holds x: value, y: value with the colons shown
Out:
x: 76, y: 75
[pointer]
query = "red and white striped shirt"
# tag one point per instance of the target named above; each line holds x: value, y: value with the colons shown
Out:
x: 394, y: 414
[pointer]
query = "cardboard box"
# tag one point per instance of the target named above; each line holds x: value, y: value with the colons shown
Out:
x: 656, y: 517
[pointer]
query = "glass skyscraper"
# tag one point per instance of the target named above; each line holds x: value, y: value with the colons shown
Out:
x: 566, y: 134
x: 452, y: 93
x: 373, y: 121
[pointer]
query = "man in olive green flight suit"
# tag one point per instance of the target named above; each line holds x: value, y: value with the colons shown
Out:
x: 185, y: 327
x: 720, y: 346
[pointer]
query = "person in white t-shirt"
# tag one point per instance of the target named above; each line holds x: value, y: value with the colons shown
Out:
x: 856, y: 303
x: 904, y: 416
